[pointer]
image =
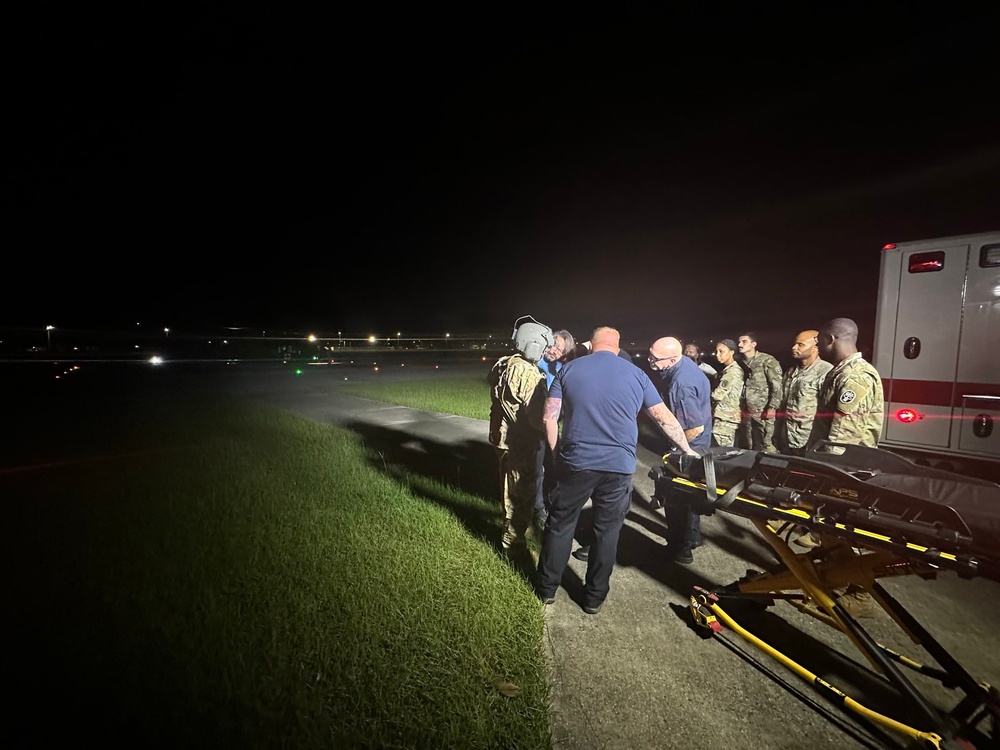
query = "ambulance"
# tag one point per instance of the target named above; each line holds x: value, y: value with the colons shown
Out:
x: 937, y: 348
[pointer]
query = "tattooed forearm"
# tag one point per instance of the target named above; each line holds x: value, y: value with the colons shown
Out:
x: 668, y: 423
x: 553, y: 406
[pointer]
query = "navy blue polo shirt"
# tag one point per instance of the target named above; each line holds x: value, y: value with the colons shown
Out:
x: 688, y: 394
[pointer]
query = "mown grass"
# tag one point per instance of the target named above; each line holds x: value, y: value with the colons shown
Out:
x: 464, y: 396
x: 189, y: 570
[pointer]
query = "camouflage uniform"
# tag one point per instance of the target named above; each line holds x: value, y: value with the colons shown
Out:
x: 517, y: 392
x: 850, y: 408
x: 800, y: 392
x: 762, y: 390
x: 726, y: 405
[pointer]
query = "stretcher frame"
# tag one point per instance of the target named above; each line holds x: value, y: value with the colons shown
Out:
x: 862, y: 530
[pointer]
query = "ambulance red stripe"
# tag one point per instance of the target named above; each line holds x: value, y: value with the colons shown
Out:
x: 935, y: 392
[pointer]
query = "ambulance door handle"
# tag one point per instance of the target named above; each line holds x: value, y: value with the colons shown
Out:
x: 911, y: 348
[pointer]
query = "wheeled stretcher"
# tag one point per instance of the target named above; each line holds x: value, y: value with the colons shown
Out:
x: 869, y: 514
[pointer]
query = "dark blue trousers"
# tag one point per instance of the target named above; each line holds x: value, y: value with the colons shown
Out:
x: 611, y: 494
x: 683, y: 527
x: 683, y: 524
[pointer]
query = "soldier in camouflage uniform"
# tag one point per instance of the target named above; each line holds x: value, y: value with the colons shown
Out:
x: 850, y: 408
x: 761, y: 396
x: 517, y: 392
x: 726, y: 395
x: 800, y: 387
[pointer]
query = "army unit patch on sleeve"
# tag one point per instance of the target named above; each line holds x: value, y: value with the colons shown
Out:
x: 847, y: 396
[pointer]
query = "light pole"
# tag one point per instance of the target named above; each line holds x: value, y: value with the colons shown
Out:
x: 446, y: 337
x: 397, y: 339
x: 48, y: 337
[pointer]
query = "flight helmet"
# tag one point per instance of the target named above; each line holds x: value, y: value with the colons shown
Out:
x: 531, y: 338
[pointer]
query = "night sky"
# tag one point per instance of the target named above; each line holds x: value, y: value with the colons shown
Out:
x: 671, y: 172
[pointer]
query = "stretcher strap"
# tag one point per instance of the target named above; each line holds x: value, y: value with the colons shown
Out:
x: 711, y: 490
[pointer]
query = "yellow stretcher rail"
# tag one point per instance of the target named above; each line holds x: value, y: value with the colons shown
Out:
x: 706, y: 610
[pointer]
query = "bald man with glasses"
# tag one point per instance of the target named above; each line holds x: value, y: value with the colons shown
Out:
x: 688, y: 394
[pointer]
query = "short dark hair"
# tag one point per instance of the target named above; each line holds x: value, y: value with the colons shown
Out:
x: 752, y: 335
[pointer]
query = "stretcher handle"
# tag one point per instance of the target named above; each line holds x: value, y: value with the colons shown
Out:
x: 866, y: 518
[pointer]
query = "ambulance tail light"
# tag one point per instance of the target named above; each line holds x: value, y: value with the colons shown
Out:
x: 906, y: 416
x: 889, y: 246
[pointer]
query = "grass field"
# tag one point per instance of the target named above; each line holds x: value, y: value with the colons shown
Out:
x: 465, y: 396
x: 190, y: 570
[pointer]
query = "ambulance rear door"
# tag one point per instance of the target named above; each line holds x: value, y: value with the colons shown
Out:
x: 979, y: 356
x: 925, y: 351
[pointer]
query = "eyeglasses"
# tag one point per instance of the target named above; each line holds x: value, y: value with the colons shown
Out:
x: 653, y: 360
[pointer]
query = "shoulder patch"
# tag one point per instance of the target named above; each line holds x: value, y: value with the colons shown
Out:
x: 847, y: 396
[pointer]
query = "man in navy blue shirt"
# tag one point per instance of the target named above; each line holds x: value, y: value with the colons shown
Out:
x: 599, y: 398
x: 688, y: 394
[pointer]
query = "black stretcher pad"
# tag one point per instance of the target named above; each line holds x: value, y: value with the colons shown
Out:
x: 855, y: 487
